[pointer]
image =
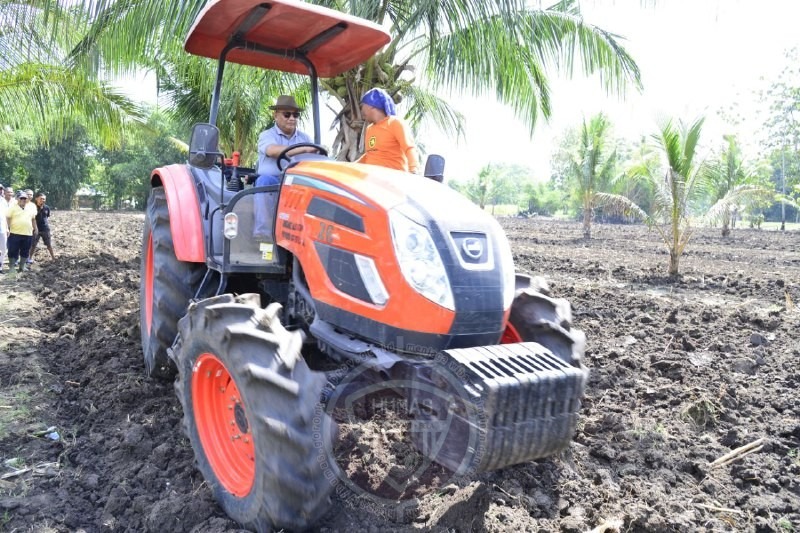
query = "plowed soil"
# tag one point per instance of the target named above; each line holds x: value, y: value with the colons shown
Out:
x: 683, y: 372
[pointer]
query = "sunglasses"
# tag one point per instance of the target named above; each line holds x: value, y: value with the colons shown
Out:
x: 287, y: 114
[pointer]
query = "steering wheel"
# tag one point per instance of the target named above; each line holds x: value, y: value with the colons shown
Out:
x: 284, y: 157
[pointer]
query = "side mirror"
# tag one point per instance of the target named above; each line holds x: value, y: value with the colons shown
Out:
x: 204, y: 146
x: 434, y: 168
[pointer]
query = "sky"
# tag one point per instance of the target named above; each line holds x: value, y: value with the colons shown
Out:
x: 695, y: 57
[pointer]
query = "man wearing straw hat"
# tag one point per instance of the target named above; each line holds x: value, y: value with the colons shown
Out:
x: 271, y: 143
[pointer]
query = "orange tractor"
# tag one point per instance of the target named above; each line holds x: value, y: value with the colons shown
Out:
x: 366, y: 267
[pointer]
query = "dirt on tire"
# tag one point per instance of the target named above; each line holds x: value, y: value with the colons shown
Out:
x: 683, y: 372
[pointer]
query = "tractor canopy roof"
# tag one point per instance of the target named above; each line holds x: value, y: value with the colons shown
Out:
x: 276, y: 34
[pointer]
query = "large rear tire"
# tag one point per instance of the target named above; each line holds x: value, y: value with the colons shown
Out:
x: 166, y: 287
x: 250, y: 410
x: 537, y: 317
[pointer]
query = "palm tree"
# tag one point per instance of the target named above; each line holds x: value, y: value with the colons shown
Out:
x: 731, y: 184
x: 677, y: 189
x: 502, y: 47
x: 477, y: 47
x: 591, y: 167
x: 186, y: 82
x: 44, y: 92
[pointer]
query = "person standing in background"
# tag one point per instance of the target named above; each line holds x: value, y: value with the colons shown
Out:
x: 8, y: 196
x: 22, y: 227
x: 3, y: 227
x: 30, y: 206
x: 42, y: 225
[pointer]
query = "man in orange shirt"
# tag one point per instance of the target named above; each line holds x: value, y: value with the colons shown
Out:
x: 388, y: 141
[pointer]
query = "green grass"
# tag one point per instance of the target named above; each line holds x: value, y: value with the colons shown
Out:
x: 773, y: 226
x: 703, y: 413
x: 784, y: 524
x: 14, y: 408
x: 794, y: 454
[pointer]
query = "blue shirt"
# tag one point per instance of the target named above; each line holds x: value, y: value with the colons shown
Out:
x: 269, y: 165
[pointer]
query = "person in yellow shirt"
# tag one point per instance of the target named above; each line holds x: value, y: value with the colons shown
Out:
x: 388, y: 141
x: 22, y: 227
x: 3, y: 228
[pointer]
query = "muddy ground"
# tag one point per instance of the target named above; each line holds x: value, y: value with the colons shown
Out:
x: 682, y: 373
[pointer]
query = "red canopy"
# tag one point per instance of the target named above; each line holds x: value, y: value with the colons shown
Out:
x: 332, y: 41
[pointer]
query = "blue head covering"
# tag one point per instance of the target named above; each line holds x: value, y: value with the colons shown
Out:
x: 380, y: 99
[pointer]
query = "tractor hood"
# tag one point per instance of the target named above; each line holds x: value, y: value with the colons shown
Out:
x: 445, y: 267
x: 387, y: 189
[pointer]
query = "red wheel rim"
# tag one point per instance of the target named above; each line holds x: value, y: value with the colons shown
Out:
x: 223, y: 425
x: 510, y: 335
x: 148, y: 283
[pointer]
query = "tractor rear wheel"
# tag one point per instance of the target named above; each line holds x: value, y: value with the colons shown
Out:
x: 251, y: 412
x: 166, y: 286
x: 537, y: 317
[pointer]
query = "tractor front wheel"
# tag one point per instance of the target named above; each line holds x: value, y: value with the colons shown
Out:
x: 251, y: 412
x: 537, y: 317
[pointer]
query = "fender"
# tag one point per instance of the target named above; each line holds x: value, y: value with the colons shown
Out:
x: 185, y: 222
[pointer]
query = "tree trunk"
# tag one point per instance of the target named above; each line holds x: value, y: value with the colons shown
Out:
x: 347, y: 144
x: 673, y: 262
x: 726, y: 230
x: 587, y: 223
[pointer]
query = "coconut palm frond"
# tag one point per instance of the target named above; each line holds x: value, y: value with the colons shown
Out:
x: 179, y: 144
x: 685, y: 237
x: 427, y: 105
x: 787, y: 200
x: 129, y: 33
x: 62, y: 97
x: 691, y: 138
x: 186, y: 83
x: 738, y: 195
x: 641, y: 170
x: 508, y: 53
x: 563, y: 38
x: 607, y: 174
x: 664, y: 196
x: 479, y: 46
x: 616, y: 203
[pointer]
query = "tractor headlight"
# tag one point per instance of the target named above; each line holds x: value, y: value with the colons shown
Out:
x: 419, y: 260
